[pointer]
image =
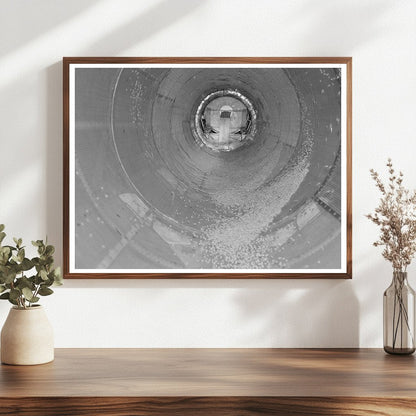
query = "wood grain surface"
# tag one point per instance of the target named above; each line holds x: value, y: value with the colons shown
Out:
x: 212, y: 381
x: 208, y: 406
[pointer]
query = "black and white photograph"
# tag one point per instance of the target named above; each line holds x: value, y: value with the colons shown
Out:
x: 208, y: 168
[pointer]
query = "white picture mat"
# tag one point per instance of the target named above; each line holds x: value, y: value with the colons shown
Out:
x: 343, y: 69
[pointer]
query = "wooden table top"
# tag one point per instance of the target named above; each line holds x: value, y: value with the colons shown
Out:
x: 214, y: 372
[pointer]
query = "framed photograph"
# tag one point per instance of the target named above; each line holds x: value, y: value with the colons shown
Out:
x: 207, y: 167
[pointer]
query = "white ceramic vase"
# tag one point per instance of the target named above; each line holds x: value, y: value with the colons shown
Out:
x: 27, y: 337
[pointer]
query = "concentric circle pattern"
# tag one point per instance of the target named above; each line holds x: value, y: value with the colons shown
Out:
x: 208, y: 168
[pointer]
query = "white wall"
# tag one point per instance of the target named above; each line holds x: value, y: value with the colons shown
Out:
x: 380, y: 35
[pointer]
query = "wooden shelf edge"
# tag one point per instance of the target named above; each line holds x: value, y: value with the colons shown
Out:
x: 195, y: 406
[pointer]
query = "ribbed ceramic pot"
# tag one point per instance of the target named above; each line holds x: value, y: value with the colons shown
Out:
x: 27, y: 337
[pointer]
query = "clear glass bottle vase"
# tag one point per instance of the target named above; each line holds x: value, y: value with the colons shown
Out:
x: 399, y: 316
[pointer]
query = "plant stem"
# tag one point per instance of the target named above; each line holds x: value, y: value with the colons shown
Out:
x: 401, y: 314
x: 394, y: 315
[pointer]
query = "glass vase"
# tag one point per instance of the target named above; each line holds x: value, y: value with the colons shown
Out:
x: 399, y: 316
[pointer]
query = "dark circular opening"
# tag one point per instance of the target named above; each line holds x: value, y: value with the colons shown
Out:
x: 224, y: 121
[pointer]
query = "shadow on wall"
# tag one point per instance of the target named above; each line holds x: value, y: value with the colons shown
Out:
x: 314, y: 313
x: 301, y: 313
x: 375, y: 276
x: 158, y: 17
x: 4, y: 311
x: 309, y: 313
x: 54, y: 146
x: 350, y: 24
x: 37, y: 18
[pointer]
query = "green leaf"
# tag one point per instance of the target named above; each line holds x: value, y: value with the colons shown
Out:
x: 47, y: 260
x: 49, y: 250
x: 2, y: 236
x: 24, y: 282
x: 2, y: 288
x: 43, y: 274
x: 7, y: 296
x: 21, y: 255
x: 15, y: 294
x: 48, y: 282
x: 1, y: 227
x: 13, y: 302
x: 5, y: 250
x: 45, y: 291
x: 9, y: 277
x: 27, y: 293
x: 26, y: 264
x: 18, y: 242
x: 38, y: 280
x: 58, y: 281
x: 4, y: 254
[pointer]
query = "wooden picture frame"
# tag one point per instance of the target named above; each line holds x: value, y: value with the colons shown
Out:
x: 234, y: 168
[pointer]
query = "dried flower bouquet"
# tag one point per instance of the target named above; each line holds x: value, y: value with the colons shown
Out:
x: 396, y: 217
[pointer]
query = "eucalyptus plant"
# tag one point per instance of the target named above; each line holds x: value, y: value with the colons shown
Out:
x: 24, y: 280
